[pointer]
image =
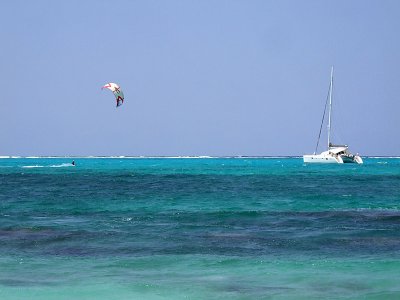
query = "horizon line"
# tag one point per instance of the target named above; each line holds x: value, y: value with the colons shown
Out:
x: 173, y: 156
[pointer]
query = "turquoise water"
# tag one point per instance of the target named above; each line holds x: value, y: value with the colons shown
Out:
x: 199, y: 228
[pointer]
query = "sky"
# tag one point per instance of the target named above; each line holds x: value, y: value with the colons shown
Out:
x: 203, y: 77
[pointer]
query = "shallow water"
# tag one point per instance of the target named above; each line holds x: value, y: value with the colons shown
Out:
x: 198, y: 228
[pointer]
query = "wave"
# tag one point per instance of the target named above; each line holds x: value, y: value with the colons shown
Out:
x: 382, y: 157
x: 35, y: 166
x: 151, y: 156
x: 64, y: 165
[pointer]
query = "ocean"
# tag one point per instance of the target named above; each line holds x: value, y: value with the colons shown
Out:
x: 198, y: 228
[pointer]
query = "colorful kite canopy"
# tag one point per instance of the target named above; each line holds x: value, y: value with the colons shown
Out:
x: 119, y: 95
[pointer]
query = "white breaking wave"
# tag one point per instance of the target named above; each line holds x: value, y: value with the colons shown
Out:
x: 65, y: 165
x: 382, y: 157
x: 62, y: 165
x: 35, y: 166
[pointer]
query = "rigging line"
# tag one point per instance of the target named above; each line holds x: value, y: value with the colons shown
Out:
x: 323, y: 118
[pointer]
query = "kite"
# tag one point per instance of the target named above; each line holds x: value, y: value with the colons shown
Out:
x: 119, y: 95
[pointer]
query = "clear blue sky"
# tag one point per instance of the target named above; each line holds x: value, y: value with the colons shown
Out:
x: 199, y: 77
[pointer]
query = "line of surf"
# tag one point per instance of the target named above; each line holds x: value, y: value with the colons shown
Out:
x: 137, y: 157
x: 65, y: 165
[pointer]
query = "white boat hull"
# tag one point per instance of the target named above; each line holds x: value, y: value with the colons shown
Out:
x: 322, y: 159
x: 358, y: 159
x: 329, y: 158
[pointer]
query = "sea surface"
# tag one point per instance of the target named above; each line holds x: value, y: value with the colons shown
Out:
x: 198, y: 228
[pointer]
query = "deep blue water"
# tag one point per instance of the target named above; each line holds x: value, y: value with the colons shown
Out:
x: 199, y: 228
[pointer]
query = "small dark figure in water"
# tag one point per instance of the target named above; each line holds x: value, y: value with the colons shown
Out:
x: 73, y: 163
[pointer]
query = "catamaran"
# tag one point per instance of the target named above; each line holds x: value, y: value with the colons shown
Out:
x: 336, y: 153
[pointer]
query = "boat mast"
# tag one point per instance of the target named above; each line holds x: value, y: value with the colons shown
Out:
x: 330, y: 109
